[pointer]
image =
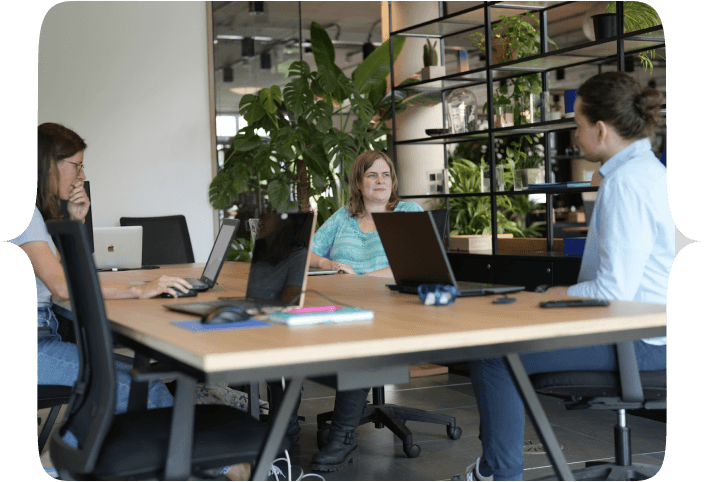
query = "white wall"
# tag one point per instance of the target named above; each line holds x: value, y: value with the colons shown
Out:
x: 131, y: 78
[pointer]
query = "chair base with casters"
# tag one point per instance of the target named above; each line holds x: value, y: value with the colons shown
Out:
x: 603, y: 391
x: 394, y: 418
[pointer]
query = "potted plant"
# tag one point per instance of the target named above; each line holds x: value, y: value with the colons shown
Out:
x: 316, y: 126
x: 513, y: 38
x: 431, y: 69
x: 636, y: 16
x: 526, y: 161
x: 517, y: 100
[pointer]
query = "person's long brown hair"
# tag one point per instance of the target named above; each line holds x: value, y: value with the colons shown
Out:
x: 617, y: 99
x: 55, y: 143
x: 360, y: 165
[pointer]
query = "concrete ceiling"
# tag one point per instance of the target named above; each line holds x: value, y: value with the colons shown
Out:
x: 349, y: 24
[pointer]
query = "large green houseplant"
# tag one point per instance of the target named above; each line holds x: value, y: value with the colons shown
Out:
x: 317, y: 126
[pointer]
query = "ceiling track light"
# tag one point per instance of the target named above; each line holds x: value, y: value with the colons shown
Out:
x: 265, y: 61
x: 227, y: 74
x: 248, y: 47
x: 256, y: 8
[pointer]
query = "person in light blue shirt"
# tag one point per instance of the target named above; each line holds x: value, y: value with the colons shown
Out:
x: 628, y: 254
x: 348, y: 242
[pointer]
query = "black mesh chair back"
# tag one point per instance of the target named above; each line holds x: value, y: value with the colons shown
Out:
x: 90, y: 410
x: 441, y: 222
x: 140, y: 444
x: 165, y: 239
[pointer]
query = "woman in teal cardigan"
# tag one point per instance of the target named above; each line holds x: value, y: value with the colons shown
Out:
x: 349, y: 242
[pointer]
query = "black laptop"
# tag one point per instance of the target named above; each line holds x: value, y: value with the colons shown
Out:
x: 416, y: 255
x: 217, y: 257
x: 278, y: 272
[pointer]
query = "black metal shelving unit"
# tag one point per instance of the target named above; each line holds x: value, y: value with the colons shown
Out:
x: 493, y: 266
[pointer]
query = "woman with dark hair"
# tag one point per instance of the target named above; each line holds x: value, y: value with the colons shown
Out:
x: 628, y: 254
x: 60, y: 176
x: 348, y: 241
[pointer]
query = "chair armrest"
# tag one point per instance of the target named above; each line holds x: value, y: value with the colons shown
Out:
x: 631, y: 387
x: 150, y: 374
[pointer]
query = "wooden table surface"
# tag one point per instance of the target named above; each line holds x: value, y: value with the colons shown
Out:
x: 402, y: 324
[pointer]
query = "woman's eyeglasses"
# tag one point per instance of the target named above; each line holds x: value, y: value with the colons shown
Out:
x: 79, y: 167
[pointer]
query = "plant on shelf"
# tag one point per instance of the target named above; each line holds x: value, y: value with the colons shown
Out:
x: 514, y: 37
x: 430, y: 56
x: 516, y: 208
x: 639, y: 16
x: 472, y: 214
x: 316, y: 127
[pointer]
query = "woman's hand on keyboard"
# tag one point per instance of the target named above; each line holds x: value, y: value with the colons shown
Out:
x: 164, y: 284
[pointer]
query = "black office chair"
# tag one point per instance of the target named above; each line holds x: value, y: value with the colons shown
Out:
x: 440, y: 216
x: 165, y: 239
x: 136, y: 444
x: 627, y: 389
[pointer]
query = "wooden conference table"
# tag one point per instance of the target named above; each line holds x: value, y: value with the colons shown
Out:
x: 362, y: 354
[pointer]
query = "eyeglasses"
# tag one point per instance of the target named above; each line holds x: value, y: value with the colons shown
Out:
x: 79, y: 167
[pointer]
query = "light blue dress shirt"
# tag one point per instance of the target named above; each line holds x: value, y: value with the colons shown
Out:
x: 630, y: 245
x: 340, y: 239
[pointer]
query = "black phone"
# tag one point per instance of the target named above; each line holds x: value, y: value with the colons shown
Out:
x: 574, y: 303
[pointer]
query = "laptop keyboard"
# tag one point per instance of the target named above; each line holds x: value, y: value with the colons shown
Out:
x: 197, y: 284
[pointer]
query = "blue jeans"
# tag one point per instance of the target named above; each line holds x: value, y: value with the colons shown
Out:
x: 57, y: 364
x: 501, y: 407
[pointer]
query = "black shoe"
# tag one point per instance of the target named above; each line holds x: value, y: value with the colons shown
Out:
x: 338, y: 452
x: 293, y: 432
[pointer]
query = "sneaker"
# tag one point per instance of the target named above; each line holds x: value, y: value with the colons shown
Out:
x: 51, y: 472
x: 472, y: 473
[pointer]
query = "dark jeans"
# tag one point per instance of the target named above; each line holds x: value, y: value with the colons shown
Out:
x: 501, y: 407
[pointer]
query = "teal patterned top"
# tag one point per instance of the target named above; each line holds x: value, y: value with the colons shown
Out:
x: 340, y: 239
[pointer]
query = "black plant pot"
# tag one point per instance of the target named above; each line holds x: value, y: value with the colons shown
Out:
x: 605, y: 25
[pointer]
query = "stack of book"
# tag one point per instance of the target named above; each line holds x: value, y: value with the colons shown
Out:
x: 321, y: 314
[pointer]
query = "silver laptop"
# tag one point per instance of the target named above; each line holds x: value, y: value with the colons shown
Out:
x: 416, y: 255
x: 278, y: 273
x: 118, y: 247
x: 217, y: 257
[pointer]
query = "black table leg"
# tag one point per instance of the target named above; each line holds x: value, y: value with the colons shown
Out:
x: 278, y: 427
x: 180, y: 452
x: 537, y: 415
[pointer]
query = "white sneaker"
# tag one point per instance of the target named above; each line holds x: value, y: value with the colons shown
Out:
x: 472, y: 473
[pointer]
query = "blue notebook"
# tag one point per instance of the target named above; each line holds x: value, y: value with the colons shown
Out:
x: 315, y: 318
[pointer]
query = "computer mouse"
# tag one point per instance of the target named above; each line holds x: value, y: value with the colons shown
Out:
x: 180, y: 294
x: 224, y: 314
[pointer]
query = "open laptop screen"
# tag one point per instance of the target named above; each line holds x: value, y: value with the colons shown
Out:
x: 280, y: 257
x: 219, y: 252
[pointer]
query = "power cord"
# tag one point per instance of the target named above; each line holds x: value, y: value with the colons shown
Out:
x: 328, y: 298
x: 275, y: 470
